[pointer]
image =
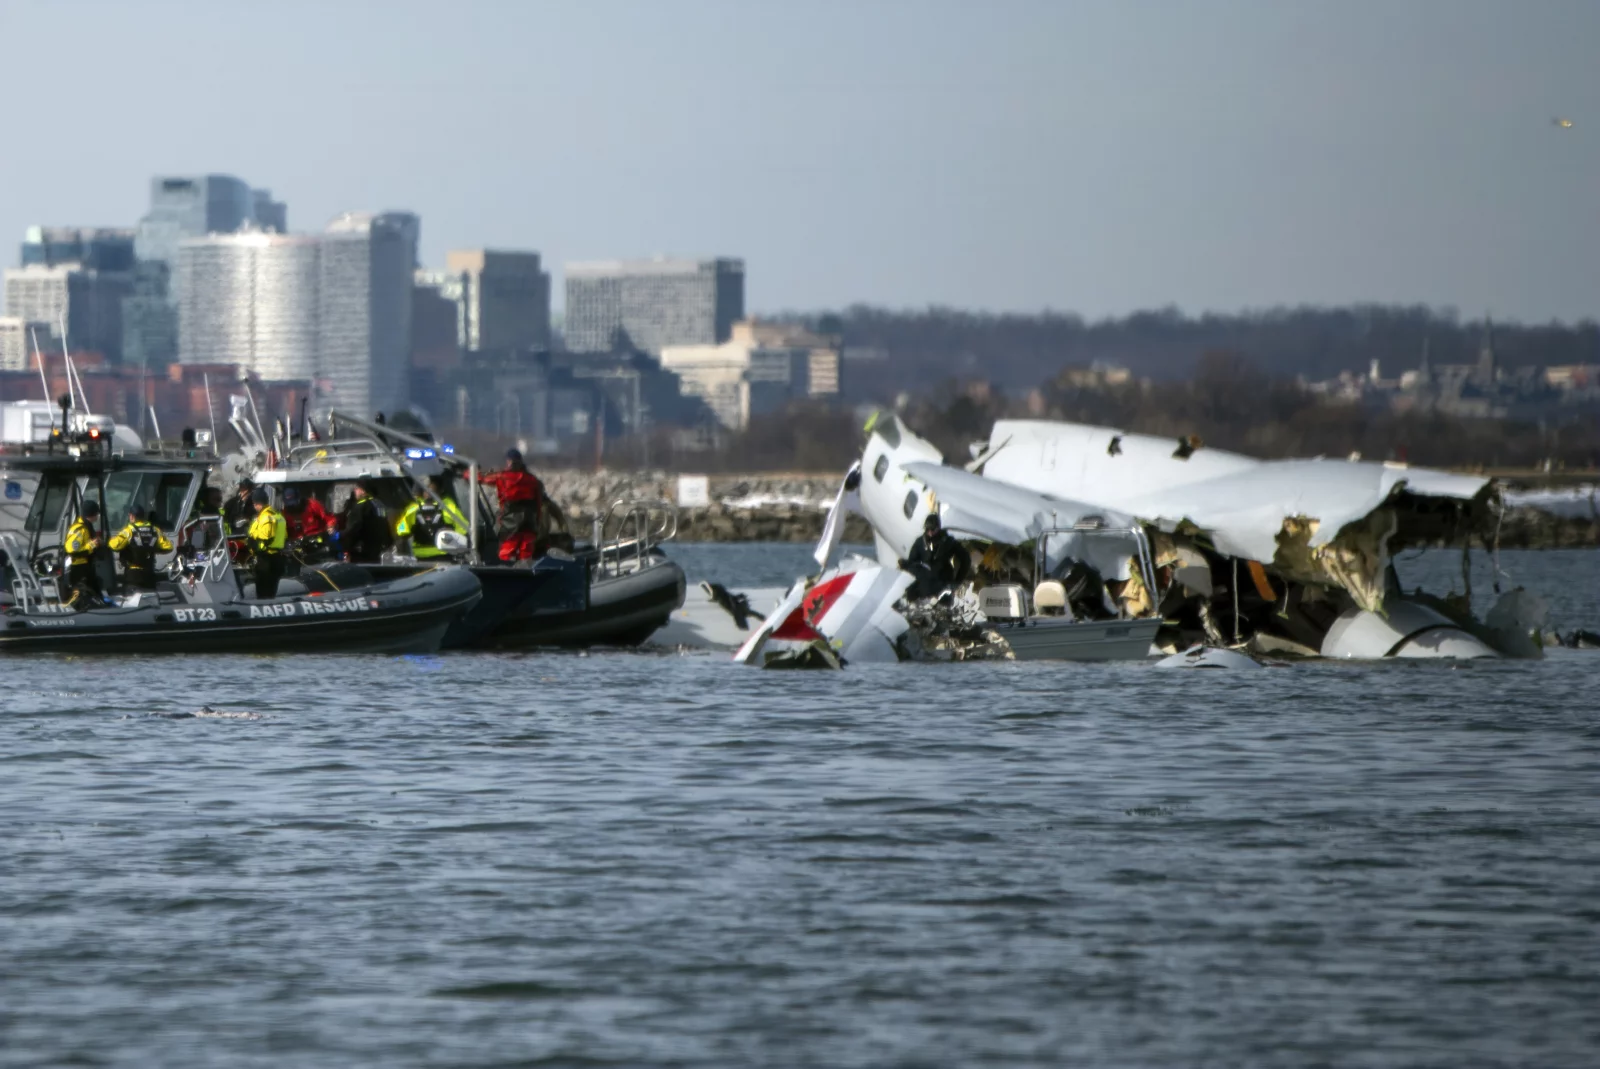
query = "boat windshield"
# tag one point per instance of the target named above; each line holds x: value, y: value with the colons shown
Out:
x: 161, y: 493
x: 55, y: 490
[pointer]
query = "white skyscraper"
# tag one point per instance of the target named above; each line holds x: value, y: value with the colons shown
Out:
x: 250, y: 299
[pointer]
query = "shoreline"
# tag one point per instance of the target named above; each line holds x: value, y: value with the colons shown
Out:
x: 791, y: 507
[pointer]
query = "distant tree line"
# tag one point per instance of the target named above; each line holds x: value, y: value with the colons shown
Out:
x: 1017, y: 352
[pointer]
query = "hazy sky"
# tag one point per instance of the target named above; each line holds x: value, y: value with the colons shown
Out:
x: 1002, y: 154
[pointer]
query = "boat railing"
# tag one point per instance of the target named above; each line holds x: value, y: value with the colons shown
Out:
x: 207, y: 562
x: 31, y: 591
x: 640, y: 524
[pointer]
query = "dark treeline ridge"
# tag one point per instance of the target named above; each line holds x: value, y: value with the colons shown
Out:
x: 1230, y: 402
x: 1017, y: 352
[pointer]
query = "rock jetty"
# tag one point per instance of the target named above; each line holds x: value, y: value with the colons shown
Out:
x: 789, y: 507
x: 741, y: 508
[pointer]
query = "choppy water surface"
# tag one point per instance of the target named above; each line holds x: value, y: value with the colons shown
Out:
x: 669, y: 860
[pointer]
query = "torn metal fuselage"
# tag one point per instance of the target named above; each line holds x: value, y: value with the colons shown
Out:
x: 1288, y: 557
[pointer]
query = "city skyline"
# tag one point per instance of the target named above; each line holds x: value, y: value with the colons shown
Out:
x: 1088, y: 158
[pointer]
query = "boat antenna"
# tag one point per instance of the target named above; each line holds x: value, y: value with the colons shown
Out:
x: 72, y: 372
x: 44, y: 383
x: 261, y: 435
x: 211, y: 413
x: 155, y: 422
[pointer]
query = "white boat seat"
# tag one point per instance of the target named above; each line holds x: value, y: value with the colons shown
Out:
x: 1050, y: 598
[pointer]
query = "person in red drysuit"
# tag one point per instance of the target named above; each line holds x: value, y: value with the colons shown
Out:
x: 308, y: 525
x: 520, y: 493
x: 307, y: 518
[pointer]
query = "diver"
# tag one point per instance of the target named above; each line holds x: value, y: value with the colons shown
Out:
x: 520, y: 493
x: 80, y: 546
x: 425, y: 517
x: 268, y: 534
x: 239, y: 512
x: 363, y: 532
x: 137, y: 544
x: 308, y: 525
x: 937, y: 560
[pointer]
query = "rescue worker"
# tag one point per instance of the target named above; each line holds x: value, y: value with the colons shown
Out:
x: 268, y: 534
x: 363, y: 532
x: 80, y: 546
x: 938, y: 561
x: 137, y: 544
x: 239, y: 512
x: 308, y: 524
x: 519, y: 492
x: 425, y: 517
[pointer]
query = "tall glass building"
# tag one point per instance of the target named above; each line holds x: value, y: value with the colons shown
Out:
x: 250, y: 299
x: 366, y: 274
x: 182, y: 208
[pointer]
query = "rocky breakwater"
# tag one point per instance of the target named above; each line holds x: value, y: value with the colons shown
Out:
x: 737, y: 508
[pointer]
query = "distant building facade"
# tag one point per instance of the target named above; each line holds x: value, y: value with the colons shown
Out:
x: 504, y: 299
x: 250, y: 299
x: 364, y: 351
x: 759, y: 369
x: 334, y: 309
x: 17, y: 339
x: 88, y: 302
x: 183, y: 207
x: 193, y: 206
x: 96, y: 248
x: 652, y: 304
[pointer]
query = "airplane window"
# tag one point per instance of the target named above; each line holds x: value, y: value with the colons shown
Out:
x: 880, y: 467
x: 911, y: 503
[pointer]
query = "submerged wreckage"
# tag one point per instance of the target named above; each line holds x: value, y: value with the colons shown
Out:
x: 1090, y: 543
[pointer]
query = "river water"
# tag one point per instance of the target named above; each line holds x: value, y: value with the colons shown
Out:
x: 663, y: 859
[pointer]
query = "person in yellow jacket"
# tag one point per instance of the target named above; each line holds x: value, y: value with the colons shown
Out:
x: 80, y: 546
x: 137, y: 544
x: 269, y: 531
x: 424, y: 518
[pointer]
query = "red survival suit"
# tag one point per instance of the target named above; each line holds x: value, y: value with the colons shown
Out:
x: 520, y: 493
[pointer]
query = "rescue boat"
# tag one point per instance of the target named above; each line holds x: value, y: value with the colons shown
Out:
x: 202, y: 602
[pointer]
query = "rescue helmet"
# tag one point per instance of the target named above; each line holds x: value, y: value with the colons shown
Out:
x: 261, y: 496
x: 90, y: 510
x: 932, y: 522
x: 514, y: 456
x: 291, y: 497
x: 139, y: 513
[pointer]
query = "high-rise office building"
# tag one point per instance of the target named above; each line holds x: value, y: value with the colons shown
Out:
x: 17, y: 340
x: 97, y: 248
x: 333, y: 307
x: 652, y: 304
x: 196, y: 205
x: 87, y: 302
x: 505, y: 299
x: 149, y: 319
x: 184, y: 207
x: 250, y: 299
x: 365, y: 278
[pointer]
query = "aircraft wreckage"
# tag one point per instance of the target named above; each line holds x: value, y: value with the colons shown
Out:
x: 1090, y: 543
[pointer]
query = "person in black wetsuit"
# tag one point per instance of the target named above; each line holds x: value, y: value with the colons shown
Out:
x: 363, y: 530
x: 937, y: 560
x: 240, y: 511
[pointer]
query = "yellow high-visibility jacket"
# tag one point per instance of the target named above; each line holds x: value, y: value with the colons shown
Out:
x: 269, y: 531
x: 80, y: 541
